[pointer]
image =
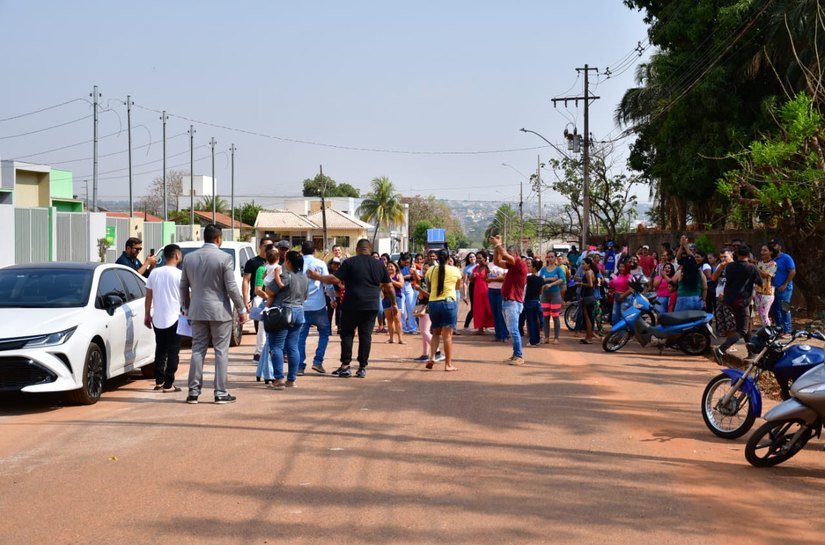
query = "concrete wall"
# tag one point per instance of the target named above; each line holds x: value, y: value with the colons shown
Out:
x: 7, y: 242
x: 31, y: 189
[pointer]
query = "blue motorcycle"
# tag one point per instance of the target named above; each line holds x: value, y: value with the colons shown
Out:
x: 732, y: 401
x: 688, y: 330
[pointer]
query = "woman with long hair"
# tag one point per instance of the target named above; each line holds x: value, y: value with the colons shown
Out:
x: 554, y: 278
x: 444, y: 279
x: 764, y: 294
x: 620, y: 284
x: 292, y: 292
x: 424, y: 319
x: 691, y: 284
x: 482, y: 313
x: 469, y: 284
x: 587, y: 285
x: 392, y: 313
x: 663, y: 287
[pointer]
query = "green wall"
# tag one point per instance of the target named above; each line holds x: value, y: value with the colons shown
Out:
x: 61, y: 184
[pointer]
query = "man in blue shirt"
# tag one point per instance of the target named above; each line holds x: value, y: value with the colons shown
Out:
x: 783, y: 286
x: 129, y: 257
x: 315, y: 311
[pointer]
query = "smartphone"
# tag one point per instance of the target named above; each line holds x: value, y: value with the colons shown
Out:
x: 151, y: 252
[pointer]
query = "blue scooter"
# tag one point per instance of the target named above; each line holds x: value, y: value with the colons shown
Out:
x: 731, y: 401
x: 689, y: 330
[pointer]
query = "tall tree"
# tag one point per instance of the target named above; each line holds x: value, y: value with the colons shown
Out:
x: 312, y: 188
x: 205, y: 205
x: 153, y: 201
x: 381, y: 205
x: 248, y: 212
x: 437, y: 214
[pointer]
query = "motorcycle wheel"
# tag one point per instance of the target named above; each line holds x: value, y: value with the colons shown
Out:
x: 694, y: 343
x: 732, y: 420
x: 615, y: 340
x: 570, y: 314
x: 773, y: 442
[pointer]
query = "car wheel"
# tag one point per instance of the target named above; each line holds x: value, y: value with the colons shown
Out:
x: 93, y: 377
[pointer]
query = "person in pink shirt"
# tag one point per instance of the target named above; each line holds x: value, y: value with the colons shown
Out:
x: 647, y: 261
x: 620, y: 284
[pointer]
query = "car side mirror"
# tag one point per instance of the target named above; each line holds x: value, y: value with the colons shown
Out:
x: 112, y: 301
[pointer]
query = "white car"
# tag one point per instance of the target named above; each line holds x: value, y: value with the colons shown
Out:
x: 67, y: 327
x: 241, y: 252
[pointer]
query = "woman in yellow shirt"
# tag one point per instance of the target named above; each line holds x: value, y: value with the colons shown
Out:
x: 443, y: 280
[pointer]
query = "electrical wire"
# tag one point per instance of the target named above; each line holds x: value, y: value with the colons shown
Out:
x: 337, y: 146
x: 100, y: 156
x: 43, y: 109
x: 153, y: 171
x: 46, y: 128
x: 143, y: 164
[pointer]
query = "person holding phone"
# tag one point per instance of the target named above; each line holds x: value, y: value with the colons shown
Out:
x: 129, y: 257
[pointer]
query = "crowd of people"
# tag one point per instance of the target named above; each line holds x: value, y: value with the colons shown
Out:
x: 512, y: 297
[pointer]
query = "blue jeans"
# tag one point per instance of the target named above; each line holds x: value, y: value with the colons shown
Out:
x: 498, y: 318
x: 533, y: 312
x: 319, y: 319
x: 618, y: 308
x: 662, y: 303
x: 409, y: 323
x: 781, y: 317
x: 264, y: 370
x: 286, y: 341
x: 689, y: 302
x: 510, y: 311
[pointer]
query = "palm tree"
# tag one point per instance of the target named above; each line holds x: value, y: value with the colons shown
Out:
x: 205, y: 205
x: 382, y: 205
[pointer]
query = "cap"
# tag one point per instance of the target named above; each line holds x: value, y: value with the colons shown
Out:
x: 336, y: 260
x: 646, y: 247
x: 610, y: 243
x: 283, y: 244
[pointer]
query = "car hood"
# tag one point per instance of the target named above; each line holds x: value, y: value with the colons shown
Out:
x: 25, y: 322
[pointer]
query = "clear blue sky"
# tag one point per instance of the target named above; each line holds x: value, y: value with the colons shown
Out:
x: 418, y: 76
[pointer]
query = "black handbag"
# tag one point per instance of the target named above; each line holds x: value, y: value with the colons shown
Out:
x: 277, y: 318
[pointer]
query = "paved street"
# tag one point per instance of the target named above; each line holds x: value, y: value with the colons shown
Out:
x: 576, y: 446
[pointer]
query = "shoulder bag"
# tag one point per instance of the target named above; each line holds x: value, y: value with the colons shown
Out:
x: 277, y: 318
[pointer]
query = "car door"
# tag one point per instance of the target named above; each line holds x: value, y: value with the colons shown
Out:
x: 142, y: 340
x: 115, y: 330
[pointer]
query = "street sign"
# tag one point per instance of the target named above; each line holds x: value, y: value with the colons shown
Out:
x: 436, y: 235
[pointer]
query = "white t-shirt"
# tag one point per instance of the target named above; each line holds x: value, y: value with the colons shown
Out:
x: 495, y: 272
x: 165, y: 285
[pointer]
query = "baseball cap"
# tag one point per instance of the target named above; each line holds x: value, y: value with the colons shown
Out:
x: 646, y: 247
x: 283, y: 244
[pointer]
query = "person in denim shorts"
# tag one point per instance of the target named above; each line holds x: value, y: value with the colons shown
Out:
x: 443, y: 280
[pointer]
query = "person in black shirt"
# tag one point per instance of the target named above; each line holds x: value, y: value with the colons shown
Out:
x: 740, y: 276
x: 129, y: 257
x: 363, y: 276
x: 248, y: 288
x: 532, y: 302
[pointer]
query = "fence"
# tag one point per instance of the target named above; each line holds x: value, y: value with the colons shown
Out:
x: 73, y: 238
x: 32, y: 233
x: 121, y: 226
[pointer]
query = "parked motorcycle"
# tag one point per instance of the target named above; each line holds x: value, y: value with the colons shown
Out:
x: 689, y: 330
x: 732, y: 401
x: 791, y: 424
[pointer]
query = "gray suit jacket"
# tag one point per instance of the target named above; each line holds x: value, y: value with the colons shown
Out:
x: 209, y: 274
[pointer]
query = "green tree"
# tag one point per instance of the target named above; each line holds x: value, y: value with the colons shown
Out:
x: 506, y: 223
x: 382, y: 205
x: 248, y: 212
x: 419, y: 234
x: 205, y: 205
x: 439, y: 215
x: 312, y: 188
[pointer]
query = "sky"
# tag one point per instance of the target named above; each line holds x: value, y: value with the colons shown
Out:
x: 419, y: 80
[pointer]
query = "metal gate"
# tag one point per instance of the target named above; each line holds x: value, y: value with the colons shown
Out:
x: 152, y: 236
x: 32, y: 234
x: 121, y: 226
x: 73, y: 237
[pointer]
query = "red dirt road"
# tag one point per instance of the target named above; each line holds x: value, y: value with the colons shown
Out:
x: 576, y: 446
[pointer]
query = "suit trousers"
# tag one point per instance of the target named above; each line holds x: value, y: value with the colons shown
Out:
x: 219, y: 333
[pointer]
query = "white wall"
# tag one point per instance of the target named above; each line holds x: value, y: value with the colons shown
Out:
x: 97, y: 230
x: 7, y: 228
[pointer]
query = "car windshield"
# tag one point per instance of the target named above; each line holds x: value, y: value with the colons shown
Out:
x: 49, y: 288
x: 187, y: 251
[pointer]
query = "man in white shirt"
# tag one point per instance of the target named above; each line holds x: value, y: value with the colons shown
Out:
x: 163, y: 289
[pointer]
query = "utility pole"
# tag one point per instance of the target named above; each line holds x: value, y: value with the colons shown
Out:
x: 521, y: 218
x: 538, y: 191
x: 129, y: 139
x: 163, y: 118
x: 232, y: 187
x: 192, y: 181
x: 586, y: 154
x: 324, y: 204
x: 95, y: 96
x: 212, y: 143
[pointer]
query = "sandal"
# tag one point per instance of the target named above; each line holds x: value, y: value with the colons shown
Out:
x: 430, y: 364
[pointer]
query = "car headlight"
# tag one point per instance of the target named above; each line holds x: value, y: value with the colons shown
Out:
x: 52, y: 339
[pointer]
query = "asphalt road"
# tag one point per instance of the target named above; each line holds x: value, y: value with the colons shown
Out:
x: 576, y: 446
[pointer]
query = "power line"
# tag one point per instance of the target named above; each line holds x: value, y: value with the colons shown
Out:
x: 46, y: 128
x: 43, y: 109
x: 336, y: 146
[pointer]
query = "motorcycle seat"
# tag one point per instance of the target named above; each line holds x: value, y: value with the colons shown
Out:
x: 681, y: 317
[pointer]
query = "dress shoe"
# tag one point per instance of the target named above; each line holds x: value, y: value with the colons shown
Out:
x: 224, y: 399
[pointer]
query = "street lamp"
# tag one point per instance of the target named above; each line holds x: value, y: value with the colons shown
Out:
x: 585, y: 188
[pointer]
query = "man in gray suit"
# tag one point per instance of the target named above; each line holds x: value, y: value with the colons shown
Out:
x: 210, y: 275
